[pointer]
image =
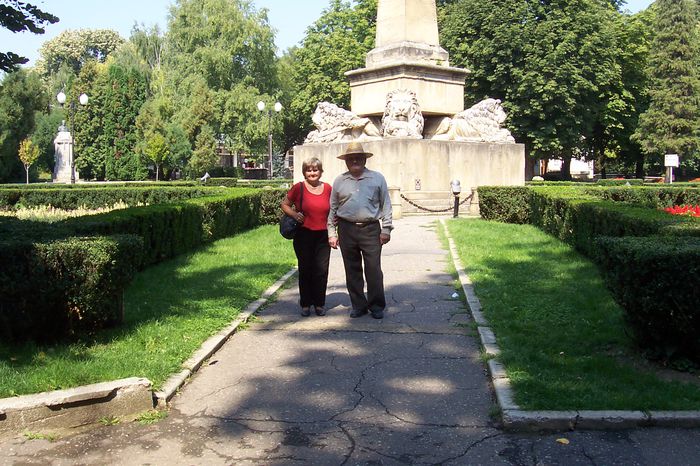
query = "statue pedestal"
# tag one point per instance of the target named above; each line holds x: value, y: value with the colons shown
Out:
x: 424, y: 165
x: 63, y: 153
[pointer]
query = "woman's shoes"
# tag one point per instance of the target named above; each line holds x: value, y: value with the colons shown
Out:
x: 306, y: 311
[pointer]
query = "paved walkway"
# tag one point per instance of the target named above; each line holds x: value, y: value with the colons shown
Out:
x: 409, y: 389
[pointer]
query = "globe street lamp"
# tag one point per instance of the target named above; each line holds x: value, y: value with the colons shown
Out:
x: 278, y: 108
x: 83, y: 99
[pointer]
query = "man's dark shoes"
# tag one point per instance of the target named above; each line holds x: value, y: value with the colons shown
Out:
x: 305, y: 312
x: 379, y: 314
x: 358, y: 313
x: 320, y: 310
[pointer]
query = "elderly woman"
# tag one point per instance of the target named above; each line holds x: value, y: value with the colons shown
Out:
x: 311, y: 239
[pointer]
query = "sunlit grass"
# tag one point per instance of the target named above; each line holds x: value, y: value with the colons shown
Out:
x: 563, y: 339
x: 170, y: 310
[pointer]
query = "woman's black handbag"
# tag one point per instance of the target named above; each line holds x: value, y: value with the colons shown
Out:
x: 289, y: 226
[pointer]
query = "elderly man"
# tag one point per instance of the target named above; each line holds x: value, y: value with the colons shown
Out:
x: 360, y: 223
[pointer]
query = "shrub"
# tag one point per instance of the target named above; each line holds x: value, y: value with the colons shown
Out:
x: 508, y: 204
x: 655, y: 279
x: 51, y: 289
x: 93, y: 197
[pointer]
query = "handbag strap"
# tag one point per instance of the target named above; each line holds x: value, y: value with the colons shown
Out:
x: 301, y: 194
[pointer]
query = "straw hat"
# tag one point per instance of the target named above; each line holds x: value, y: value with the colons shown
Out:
x: 354, y: 148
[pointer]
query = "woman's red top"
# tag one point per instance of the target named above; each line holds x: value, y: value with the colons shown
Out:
x: 315, y: 207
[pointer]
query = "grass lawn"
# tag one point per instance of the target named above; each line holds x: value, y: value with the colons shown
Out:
x: 170, y: 309
x: 562, y: 337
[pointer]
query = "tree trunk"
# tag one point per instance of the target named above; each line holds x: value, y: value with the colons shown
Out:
x: 566, y: 168
x: 26, y: 169
x: 157, y: 170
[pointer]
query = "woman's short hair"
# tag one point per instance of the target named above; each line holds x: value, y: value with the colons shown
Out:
x: 312, y: 162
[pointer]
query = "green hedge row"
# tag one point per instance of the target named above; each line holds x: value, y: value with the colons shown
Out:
x: 651, y: 196
x: 581, y: 216
x: 79, y: 272
x: 96, y: 197
x: 52, y: 289
x: 656, y: 281
x: 241, y: 183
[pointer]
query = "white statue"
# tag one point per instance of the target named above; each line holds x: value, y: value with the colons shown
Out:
x: 480, y: 123
x: 402, y: 116
x: 335, y: 124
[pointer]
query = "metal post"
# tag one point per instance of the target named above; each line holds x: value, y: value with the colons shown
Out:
x: 72, y: 143
x: 456, y: 207
x: 269, y: 138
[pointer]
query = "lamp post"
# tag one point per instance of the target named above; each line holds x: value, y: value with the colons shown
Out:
x: 278, y: 108
x: 456, y: 190
x: 83, y: 99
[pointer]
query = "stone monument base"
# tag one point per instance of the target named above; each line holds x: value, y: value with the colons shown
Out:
x: 413, y: 166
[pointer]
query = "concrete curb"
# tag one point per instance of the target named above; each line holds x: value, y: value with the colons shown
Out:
x: 210, y: 346
x: 81, y: 406
x: 517, y: 419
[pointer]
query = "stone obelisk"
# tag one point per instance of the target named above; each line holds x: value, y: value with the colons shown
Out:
x: 407, y: 55
x: 419, y: 170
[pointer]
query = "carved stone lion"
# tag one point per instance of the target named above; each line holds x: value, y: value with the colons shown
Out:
x: 402, y: 115
x: 480, y: 123
x: 334, y: 124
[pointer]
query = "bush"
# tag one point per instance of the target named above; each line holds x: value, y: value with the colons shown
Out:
x: 655, y: 279
x: 55, y: 284
x: 656, y: 197
x: 93, y: 197
x: 508, y: 204
x: 57, y: 288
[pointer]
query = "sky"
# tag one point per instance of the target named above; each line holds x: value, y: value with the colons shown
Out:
x: 289, y: 18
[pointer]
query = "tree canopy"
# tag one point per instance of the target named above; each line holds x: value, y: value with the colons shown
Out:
x: 672, y: 122
x: 75, y: 47
x: 19, y: 16
x: 337, y: 42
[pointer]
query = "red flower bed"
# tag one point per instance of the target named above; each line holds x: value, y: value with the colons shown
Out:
x: 692, y: 211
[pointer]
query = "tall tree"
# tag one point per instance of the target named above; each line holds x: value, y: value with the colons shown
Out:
x: 548, y: 61
x: 75, y: 48
x: 19, y: 16
x: 219, y: 60
x: 672, y: 122
x: 337, y: 42
x: 21, y: 95
x: 223, y: 41
x: 624, y: 97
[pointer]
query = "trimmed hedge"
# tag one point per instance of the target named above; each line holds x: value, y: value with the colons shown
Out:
x: 510, y: 204
x: 581, y: 215
x: 656, y: 279
x: 59, y: 285
x: 241, y: 183
x: 96, y: 197
x: 52, y: 289
x: 650, y: 196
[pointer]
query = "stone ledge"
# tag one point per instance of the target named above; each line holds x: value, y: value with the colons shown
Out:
x: 76, y: 407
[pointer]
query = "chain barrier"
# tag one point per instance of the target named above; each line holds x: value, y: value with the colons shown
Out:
x: 449, y: 209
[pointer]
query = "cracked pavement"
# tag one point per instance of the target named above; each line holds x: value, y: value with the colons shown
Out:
x: 409, y: 389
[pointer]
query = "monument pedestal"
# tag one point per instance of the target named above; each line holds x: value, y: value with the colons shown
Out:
x: 429, y: 165
x: 63, y: 154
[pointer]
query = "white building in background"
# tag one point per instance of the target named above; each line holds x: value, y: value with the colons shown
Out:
x: 580, y: 169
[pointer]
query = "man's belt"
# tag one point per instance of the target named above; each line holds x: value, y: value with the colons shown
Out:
x: 359, y: 224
